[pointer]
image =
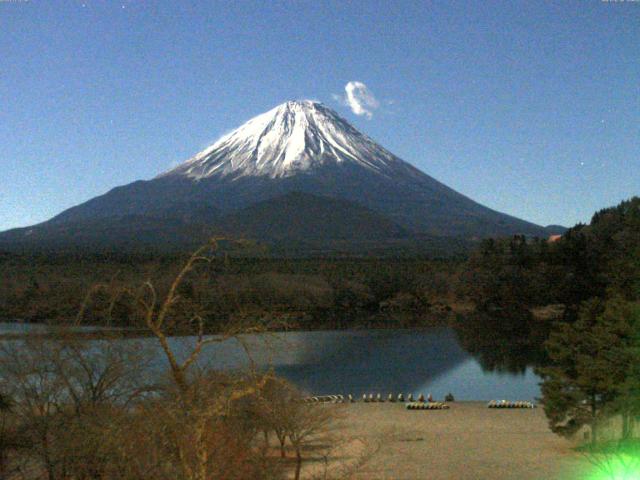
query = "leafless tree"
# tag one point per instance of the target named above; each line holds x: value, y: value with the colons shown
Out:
x: 199, y: 402
x: 63, y: 389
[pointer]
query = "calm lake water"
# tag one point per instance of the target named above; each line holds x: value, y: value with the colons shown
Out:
x: 362, y: 361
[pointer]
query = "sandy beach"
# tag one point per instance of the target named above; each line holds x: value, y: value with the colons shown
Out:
x: 468, y: 441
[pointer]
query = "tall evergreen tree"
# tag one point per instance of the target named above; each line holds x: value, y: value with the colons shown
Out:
x: 627, y: 403
x: 591, y: 360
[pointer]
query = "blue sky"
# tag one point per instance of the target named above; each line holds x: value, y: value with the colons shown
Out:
x: 529, y: 107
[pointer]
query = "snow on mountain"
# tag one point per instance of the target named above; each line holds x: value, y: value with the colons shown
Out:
x: 291, y: 138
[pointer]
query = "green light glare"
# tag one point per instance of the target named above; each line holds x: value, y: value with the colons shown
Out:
x: 621, y: 467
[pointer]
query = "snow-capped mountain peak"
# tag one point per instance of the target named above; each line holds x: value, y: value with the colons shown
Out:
x: 294, y: 137
x: 297, y: 172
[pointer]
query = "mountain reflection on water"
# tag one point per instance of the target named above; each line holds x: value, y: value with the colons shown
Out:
x: 378, y: 361
x: 371, y: 361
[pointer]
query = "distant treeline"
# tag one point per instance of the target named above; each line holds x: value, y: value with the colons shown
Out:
x: 306, y: 293
x: 587, y: 261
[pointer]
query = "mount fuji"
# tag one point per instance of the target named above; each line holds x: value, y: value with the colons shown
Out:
x: 298, y: 172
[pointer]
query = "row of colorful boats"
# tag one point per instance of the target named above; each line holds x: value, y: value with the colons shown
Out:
x: 370, y: 398
x: 427, y: 406
x: 508, y: 404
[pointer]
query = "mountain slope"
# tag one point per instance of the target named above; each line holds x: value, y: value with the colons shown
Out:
x: 301, y: 216
x: 301, y: 147
x: 126, y: 233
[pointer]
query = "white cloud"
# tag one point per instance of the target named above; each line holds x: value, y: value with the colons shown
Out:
x: 359, y: 98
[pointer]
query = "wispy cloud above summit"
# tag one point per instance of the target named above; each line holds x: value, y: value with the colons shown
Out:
x: 358, y: 98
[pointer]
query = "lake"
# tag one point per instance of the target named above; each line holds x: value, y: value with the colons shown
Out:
x: 362, y: 361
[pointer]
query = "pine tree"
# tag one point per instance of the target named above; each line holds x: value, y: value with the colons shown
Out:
x: 590, y: 362
x: 627, y: 403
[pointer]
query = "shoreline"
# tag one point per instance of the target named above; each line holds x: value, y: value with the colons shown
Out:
x: 100, y: 331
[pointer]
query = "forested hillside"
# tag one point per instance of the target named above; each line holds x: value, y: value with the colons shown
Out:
x: 308, y: 293
x: 589, y: 351
x: 596, y: 260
